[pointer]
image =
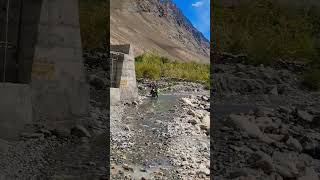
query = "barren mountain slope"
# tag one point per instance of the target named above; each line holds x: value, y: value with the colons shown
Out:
x: 153, y: 25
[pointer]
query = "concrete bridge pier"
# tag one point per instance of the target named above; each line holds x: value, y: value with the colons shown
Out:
x: 59, y: 89
x: 41, y: 68
x: 123, y: 74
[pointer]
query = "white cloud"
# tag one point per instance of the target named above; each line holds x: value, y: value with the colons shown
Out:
x: 198, y: 4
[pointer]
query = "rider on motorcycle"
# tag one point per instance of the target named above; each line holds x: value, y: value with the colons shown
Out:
x: 154, y: 90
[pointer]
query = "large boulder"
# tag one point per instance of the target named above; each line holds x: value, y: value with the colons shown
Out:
x: 229, y: 83
x: 266, y: 123
x: 285, y: 164
x: 80, y: 131
x: 294, y: 144
x: 309, y: 174
x: 187, y: 101
x: 205, y: 122
x: 263, y: 161
x: 304, y: 115
x: 96, y: 82
x: 244, y: 124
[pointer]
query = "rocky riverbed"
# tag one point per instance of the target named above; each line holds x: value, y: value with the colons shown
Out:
x: 266, y: 124
x: 167, y: 138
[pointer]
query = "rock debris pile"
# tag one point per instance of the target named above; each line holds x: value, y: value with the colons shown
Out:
x: 266, y: 124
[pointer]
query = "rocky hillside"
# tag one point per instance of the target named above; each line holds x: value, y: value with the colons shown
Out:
x: 157, y: 25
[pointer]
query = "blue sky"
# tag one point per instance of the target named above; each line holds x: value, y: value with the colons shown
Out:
x: 198, y: 12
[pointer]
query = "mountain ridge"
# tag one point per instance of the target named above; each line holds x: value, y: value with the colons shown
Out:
x: 157, y: 25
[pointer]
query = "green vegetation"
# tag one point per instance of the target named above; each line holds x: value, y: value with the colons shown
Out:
x: 153, y: 66
x: 266, y: 30
x: 93, y: 23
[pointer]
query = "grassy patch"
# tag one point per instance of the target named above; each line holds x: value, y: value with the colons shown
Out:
x: 93, y: 23
x: 153, y: 66
x: 266, y: 30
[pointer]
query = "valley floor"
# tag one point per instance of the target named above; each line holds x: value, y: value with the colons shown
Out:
x: 164, y: 138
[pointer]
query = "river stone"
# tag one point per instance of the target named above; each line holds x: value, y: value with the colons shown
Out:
x: 192, y: 113
x: 204, y: 127
x: 193, y: 121
x: 294, y: 144
x: 277, y: 137
x: 187, y: 101
x: 203, y: 170
x: 127, y: 128
x: 206, y: 122
x: 304, y: 115
x: 263, y: 161
x: 241, y: 172
x: 263, y: 112
x: 4, y: 146
x: 265, y: 122
x: 80, y: 131
x: 201, y: 113
x: 274, y: 91
x: 243, y: 123
x: 284, y: 109
x: 309, y: 174
x: 285, y: 164
x: 185, y: 163
x: 96, y: 82
x: 205, y: 98
x: 45, y: 132
x: 32, y: 135
x: 61, y: 132
x: 127, y: 167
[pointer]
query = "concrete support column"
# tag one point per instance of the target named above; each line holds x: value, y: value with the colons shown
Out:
x: 16, y: 103
x: 123, y: 73
x: 59, y: 89
x: 128, y: 82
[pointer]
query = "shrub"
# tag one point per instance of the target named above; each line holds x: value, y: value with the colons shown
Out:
x: 153, y: 66
x: 93, y: 23
x: 150, y: 71
x: 266, y: 30
x: 312, y: 79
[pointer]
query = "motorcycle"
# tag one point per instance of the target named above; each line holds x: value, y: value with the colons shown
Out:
x: 154, y: 93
